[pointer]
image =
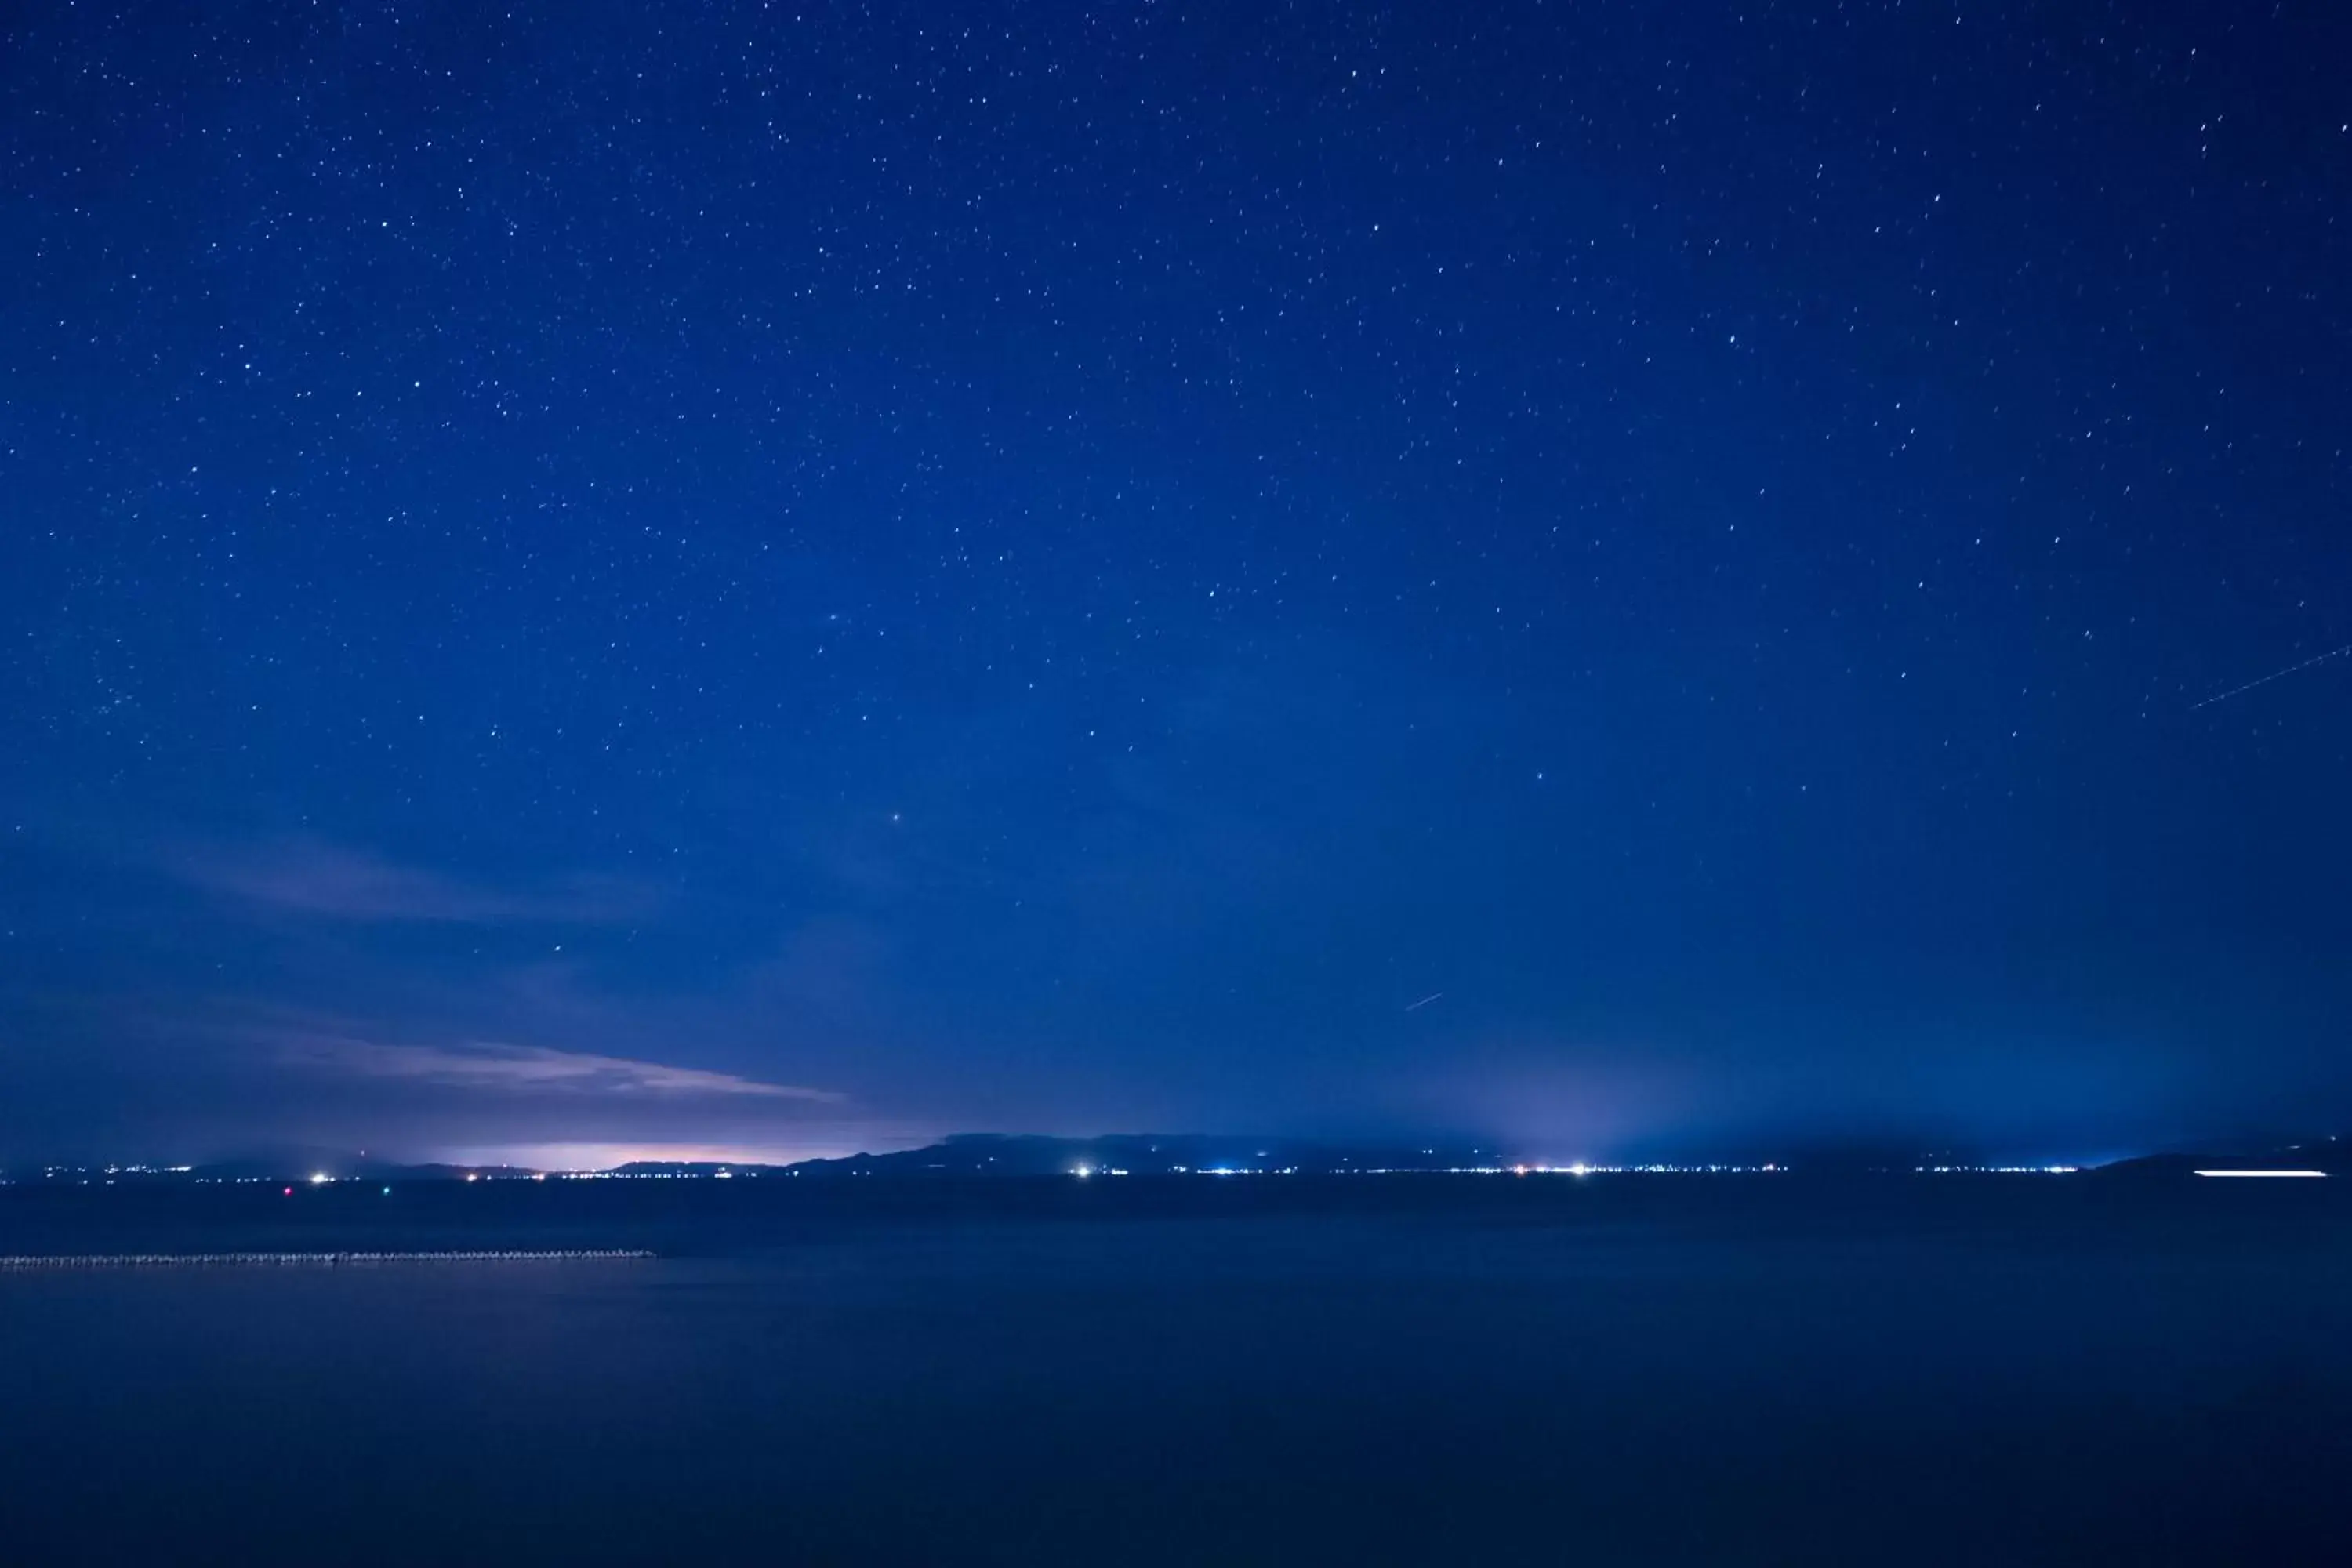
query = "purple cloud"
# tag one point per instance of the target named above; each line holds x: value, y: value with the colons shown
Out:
x: 528, y: 1068
x: 306, y: 876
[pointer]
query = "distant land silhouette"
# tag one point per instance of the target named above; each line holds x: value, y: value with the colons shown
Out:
x: 993, y: 1155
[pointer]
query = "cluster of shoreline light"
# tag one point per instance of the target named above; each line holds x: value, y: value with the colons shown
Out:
x: 665, y: 1175
x: 1579, y: 1169
x: 108, y: 1176
x: 104, y: 1175
x: 324, y: 1179
x: 21, y: 1263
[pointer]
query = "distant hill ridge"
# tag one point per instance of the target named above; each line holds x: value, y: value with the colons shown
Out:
x: 980, y: 1156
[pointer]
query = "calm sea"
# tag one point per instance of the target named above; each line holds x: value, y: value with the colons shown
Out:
x: 1478, y: 1370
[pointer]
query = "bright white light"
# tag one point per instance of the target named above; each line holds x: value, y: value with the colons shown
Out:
x: 1579, y: 1169
x: 320, y: 1178
x: 1083, y: 1171
x: 2262, y: 1173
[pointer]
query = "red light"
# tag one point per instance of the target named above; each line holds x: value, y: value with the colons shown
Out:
x: 290, y: 1192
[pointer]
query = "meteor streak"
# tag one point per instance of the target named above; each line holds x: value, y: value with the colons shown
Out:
x: 2265, y: 680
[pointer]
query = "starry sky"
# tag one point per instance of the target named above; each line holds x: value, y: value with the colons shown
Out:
x: 784, y: 578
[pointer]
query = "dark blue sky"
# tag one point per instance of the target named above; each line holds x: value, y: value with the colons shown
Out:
x: 657, y: 575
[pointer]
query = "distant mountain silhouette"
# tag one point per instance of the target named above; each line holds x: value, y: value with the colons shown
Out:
x: 296, y: 1163
x: 1031, y: 1154
x: 991, y: 1155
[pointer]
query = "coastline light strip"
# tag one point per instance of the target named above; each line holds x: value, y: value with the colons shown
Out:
x: 2314, y: 1173
x: 300, y: 1259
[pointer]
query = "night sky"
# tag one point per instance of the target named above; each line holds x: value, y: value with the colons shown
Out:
x: 603, y: 577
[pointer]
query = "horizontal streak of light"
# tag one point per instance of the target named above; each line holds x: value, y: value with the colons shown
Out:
x: 2262, y: 1173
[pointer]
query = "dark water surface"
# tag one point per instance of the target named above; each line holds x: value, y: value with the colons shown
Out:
x: 1616, y: 1371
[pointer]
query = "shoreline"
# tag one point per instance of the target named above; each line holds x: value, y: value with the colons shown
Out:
x: 29, y: 1262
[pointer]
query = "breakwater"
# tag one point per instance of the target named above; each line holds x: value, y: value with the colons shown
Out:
x: 301, y: 1259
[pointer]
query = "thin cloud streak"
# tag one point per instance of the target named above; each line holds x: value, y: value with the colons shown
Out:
x: 528, y: 1068
x: 306, y: 876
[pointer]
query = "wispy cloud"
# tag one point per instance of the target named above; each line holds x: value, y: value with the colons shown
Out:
x: 308, y: 876
x: 531, y: 1070
x: 603, y: 1156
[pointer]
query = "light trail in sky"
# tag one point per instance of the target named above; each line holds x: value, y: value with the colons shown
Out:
x: 2274, y: 675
